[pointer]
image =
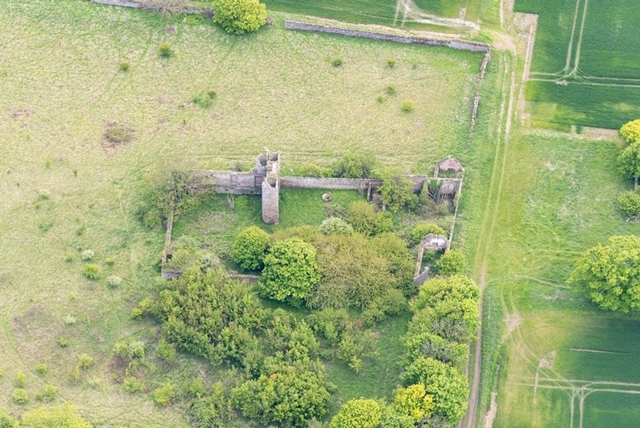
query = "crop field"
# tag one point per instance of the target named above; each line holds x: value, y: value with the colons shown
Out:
x: 563, y: 363
x: 585, y: 68
x: 66, y: 189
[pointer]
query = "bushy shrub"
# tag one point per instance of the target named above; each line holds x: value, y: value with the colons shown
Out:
x: 239, y: 16
x: 335, y: 226
x: 391, y: 62
x: 312, y: 170
x: 630, y: 131
x: 56, y: 416
x: 87, y: 255
x: 397, y: 192
x: 48, y: 394
x: 250, y: 248
x: 420, y: 230
x: 123, y: 66
x: 85, y: 361
x: 356, y: 165
x: 20, y: 380
x: 629, y: 204
x: 133, y: 385
x: 392, y: 302
x: 451, y: 262
x: 42, y: 369
x: 20, y: 396
x: 213, y: 410
x: 130, y: 351
x: 337, y: 62
x: 165, y: 50
x: 390, y: 89
x: 113, y: 281
x: 356, y: 346
x: 165, y: 394
x: 92, y: 271
x: 408, y: 106
x: 167, y: 352
x: 364, y: 218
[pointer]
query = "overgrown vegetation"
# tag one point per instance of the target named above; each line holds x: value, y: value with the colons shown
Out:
x: 239, y: 16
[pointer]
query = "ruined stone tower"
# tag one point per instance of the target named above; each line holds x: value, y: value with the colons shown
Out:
x: 268, y: 169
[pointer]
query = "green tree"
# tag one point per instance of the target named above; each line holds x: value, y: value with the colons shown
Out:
x: 434, y: 291
x: 392, y: 419
x: 629, y: 204
x: 420, y: 230
x: 286, y: 396
x: 425, y: 343
x: 360, y: 413
x: 450, y: 263
x: 610, y: 274
x: 250, y: 248
x: 414, y: 402
x: 396, y: 192
x: 629, y: 161
x: 365, y: 219
x: 447, y: 385
x: 239, y: 16
x: 336, y: 226
x: 630, y: 131
x: 290, y: 270
x: 356, y: 165
x: 63, y: 416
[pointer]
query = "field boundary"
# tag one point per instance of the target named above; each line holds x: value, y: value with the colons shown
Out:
x: 450, y: 43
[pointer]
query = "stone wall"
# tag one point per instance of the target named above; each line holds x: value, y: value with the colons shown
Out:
x: 455, y: 44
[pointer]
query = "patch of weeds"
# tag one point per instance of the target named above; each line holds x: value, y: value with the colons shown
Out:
x: 380, y: 99
x: 80, y: 231
x: 337, y: 62
x: 20, y: 380
x: 44, y: 227
x: 165, y: 394
x: 194, y: 19
x: 63, y: 342
x: 390, y: 89
x: 391, y: 63
x: 87, y: 255
x: 408, y: 106
x: 114, y: 281
x: 117, y: 133
x: 205, y: 99
x: 91, y: 271
x: 85, y: 361
x: 20, y: 396
x: 167, y: 352
x: 94, y: 382
x: 123, y: 66
x: 42, y: 369
x: 110, y: 261
x: 133, y: 385
x: 47, y: 164
x: 70, y: 319
x: 165, y: 50
x: 48, y: 394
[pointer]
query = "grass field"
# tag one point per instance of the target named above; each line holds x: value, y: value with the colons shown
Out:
x: 585, y: 68
x: 65, y: 190
x: 556, y: 353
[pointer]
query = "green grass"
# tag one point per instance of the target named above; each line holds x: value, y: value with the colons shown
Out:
x: 611, y: 409
x: 65, y: 190
x: 358, y: 11
x: 560, y: 201
x: 598, y: 94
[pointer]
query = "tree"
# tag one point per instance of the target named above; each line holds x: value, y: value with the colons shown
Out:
x: 446, y: 384
x: 250, y: 248
x: 630, y: 131
x: 365, y: 219
x: 290, y: 270
x: 239, y: 16
x: 450, y: 263
x: 414, y: 402
x: 434, y: 291
x: 360, y: 413
x: 629, y: 161
x: 396, y: 192
x: 286, y: 396
x: 610, y: 274
x: 54, y: 417
x: 336, y: 226
x: 7, y: 421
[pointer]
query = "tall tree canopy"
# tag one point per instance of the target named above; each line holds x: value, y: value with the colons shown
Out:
x: 610, y: 274
x: 630, y: 131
